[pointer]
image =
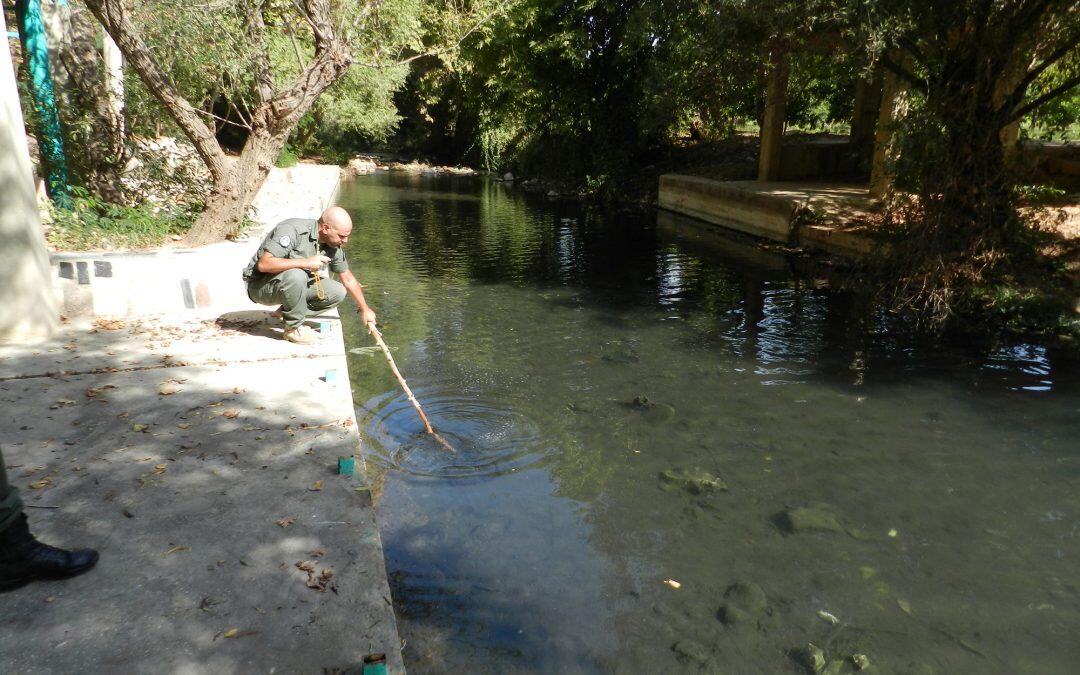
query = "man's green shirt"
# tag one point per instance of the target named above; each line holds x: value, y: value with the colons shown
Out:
x: 296, y: 238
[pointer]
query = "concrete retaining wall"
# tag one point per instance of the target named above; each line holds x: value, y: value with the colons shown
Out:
x: 727, y: 203
x: 771, y: 210
x: 174, y: 280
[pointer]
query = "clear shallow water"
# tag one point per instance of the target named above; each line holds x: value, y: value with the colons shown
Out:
x: 528, y: 328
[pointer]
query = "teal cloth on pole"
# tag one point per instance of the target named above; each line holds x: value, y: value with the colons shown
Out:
x: 36, y: 53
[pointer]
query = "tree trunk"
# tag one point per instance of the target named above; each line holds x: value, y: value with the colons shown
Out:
x: 231, y: 199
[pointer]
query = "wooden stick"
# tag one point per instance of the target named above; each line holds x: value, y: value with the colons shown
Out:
x: 408, y: 392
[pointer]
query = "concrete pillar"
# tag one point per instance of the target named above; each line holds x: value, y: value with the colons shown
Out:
x: 894, y: 104
x: 1010, y: 78
x: 772, y: 127
x: 29, y: 310
x: 864, y: 111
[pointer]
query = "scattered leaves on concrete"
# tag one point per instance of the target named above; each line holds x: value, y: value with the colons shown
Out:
x: 168, y: 387
x: 231, y: 413
x: 160, y: 469
x: 41, y: 484
x: 316, y: 487
x: 285, y: 522
x: 94, y: 392
x: 183, y: 425
x: 61, y: 403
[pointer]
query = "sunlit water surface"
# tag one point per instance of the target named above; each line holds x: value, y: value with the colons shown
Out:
x: 527, y: 328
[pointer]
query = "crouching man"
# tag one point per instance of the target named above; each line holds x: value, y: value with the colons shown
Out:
x: 282, y: 271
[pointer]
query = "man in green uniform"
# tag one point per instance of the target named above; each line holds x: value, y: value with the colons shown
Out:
x: 282, y: 271
x: 23, y: 558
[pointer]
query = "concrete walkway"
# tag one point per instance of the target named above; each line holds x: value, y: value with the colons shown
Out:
x: 198, y: 453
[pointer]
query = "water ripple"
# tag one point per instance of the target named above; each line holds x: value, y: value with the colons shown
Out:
x: 490, y: 439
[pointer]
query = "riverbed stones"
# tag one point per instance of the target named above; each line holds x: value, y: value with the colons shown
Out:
x: 694, y: 480
x: 810, y: 518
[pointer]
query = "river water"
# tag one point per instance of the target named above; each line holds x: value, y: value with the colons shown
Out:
x: 679, y: 452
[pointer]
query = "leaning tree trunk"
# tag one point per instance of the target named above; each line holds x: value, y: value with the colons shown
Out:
x: 231, y: 198
x: 236, y: 182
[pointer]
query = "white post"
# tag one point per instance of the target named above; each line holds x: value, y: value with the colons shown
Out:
x: 114, y: 85
x: 29, y: 310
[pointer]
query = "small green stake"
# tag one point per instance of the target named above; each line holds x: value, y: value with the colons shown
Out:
x: 346, y: 466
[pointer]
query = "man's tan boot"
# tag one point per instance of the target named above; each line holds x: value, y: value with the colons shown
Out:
x: 301, y: 335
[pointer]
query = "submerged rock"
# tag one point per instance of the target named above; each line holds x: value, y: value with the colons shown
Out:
x: 811, y: 657
x: 812, y: 518
x: 619, y: 352
x: 692, y: 651
x: 745, y: 603
x: 694, y: 480
x: 656, y: 413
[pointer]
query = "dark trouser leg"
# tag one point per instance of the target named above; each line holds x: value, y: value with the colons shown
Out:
x: 288, y: 289
x: 10, y: 504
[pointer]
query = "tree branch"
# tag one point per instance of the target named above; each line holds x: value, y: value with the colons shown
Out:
x: 442, y: 50
x: 903, y: 73
x: 111, y: 15
x: 1044, y: 99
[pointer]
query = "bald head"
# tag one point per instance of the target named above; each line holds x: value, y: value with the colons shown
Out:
x: 335, y: 226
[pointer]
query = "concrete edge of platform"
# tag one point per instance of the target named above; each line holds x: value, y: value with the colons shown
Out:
x: 172, y: 280
x: 729, y: 204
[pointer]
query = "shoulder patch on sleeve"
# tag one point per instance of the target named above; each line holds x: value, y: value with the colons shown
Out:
x: 285, y: 241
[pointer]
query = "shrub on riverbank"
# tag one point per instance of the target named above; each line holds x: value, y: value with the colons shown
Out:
x: 94, y: 224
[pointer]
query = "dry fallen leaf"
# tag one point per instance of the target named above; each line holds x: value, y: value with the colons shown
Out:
x: 238, y: 390
x: 316, y: 487
x: 176, y: 549
x: 672, y: 583
x: 168, y: 388
x: 231, y: 413
x: 140, y: 427
x: 285, y: 522
x: 61, y: 402
x: 43, y: 483
x: 231, y: 633
x: 160, y: 469
x: 318, y: 581
x: 109, y: 324
x: 183, y: 425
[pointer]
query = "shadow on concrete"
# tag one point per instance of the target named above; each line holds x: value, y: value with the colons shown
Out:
x: 201, y: 463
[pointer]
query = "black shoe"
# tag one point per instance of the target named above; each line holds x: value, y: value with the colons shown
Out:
x: 24, y: 559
